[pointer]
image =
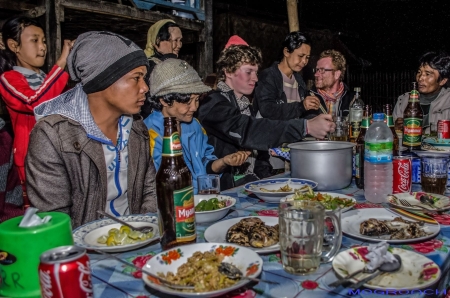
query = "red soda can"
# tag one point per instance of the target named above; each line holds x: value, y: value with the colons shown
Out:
x: 64, y: 272
x: 402, y: 168
x: 443, y: 127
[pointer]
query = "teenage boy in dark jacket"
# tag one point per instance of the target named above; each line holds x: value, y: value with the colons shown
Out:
x: 227, y: 115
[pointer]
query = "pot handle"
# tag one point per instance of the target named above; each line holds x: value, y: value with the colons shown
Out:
x: 332, y: 238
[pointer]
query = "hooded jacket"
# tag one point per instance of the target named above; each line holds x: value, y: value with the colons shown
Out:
x: 230, y: 131
x: 66, y: 168
x: 197, y: 153
x: 439, y: 108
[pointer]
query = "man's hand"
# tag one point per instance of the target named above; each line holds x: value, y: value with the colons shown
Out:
x: 398, y: 126
x: 236, y: 159
x: 311, y: 103
x: 320, y: 126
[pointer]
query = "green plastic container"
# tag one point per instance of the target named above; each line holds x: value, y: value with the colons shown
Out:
x: 21, y: 248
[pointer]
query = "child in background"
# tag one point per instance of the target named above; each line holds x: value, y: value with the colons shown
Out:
x: 23, y: 85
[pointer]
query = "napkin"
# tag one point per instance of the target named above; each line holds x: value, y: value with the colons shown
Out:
x: 30, y: 219
x: 378, y: 255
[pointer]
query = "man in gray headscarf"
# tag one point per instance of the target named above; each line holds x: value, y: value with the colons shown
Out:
x: 89, y: 150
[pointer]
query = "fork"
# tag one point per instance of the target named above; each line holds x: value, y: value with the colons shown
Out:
x: 408, y: 204
x: 144, y: 229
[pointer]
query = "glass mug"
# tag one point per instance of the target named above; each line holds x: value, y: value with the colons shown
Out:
x: 341, y: 131
x: 304, y: 227
x: 434, y: 174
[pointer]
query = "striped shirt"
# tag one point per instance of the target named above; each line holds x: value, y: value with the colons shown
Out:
x: 34, y: 79
x: 290, y: 88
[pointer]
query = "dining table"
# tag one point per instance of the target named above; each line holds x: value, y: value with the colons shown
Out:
x: 112, y: 279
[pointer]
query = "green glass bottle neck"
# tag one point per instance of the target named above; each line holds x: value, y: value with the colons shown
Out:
x: 172, y: 145
x: 413, y: 96
x: 365, y: 123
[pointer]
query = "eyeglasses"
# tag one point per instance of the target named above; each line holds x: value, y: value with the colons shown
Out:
x: 322, y: 70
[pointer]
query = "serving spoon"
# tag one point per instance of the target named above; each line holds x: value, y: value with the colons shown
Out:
x: 143, y: 229
x: 233, y: 272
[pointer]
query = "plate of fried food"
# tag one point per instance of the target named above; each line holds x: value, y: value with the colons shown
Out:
x: 110, y: 236
x: 258, y: 233
x: 273, y: 190
x: 199, y: 265
x: 380, y: 224
x: 330, y: 200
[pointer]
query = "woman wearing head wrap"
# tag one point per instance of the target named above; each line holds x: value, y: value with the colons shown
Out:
x: 89, y: 151
x: 176, y: 88
x: 164, y: 40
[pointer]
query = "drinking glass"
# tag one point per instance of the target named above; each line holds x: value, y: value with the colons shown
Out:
x: 208, y: 184
x: 302, y: 233
x: 341, y: 131
x: 433, y: 129
x: 434, y: 174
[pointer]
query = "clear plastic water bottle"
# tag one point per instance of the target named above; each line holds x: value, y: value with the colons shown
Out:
x: 378, y: 161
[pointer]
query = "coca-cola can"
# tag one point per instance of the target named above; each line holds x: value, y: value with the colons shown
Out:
x: 443, y: 129
x: 64, y: 272
x: 402, y: 168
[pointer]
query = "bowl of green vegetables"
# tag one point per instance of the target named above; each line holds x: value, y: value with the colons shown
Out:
x: 209, y: 208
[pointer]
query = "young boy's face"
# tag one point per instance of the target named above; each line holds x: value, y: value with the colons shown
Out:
x: 127, y: 95
x: 32, y: 49
x: 183, y: 111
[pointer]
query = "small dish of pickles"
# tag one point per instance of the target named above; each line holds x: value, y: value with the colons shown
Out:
x: 107, y: 235
x: 210, y: 208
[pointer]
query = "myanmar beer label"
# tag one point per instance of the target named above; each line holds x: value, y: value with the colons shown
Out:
x: 172, y: 145
x: 184, y: 214
x: 412, y: 132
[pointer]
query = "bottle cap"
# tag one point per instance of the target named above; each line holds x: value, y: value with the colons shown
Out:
x: 378, y: 116
x: 357, y: 89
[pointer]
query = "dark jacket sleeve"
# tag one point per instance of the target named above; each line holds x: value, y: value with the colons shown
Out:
x: 223, y: 120
x: 268, y: 97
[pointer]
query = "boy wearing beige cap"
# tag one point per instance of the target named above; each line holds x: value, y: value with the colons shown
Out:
x: 175, y: 91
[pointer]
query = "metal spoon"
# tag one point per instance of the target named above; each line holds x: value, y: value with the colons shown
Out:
x: 385, y: 267
x: 162, y: 280
x: 143, y: 229
x: 232, y: 272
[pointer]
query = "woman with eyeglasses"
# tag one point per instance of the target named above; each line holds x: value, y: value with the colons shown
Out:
x: 281, y: 92
x: 164, y: 40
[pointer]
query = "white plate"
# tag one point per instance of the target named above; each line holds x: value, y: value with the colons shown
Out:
x: 218, y: 232
x: 274, y: 184
x: 249, y: 262
x: 87, y: 234
x: 352, y: 219
x: 410, y: 198
x: 213, y: 215
x: 408, y: 277
x: 333, y: 194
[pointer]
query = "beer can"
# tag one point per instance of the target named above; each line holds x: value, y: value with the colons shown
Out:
x: 443, y: 127
x: 416, y: 170
x: 64, y: 272
x: 402, y: 170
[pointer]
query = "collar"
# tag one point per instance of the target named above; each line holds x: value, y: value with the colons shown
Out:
x: 27, y: 72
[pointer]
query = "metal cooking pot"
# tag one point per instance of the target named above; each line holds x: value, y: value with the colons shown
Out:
x: 326, y: 162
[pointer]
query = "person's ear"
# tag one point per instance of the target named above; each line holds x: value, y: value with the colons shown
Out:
x: 286, y: 53
x: 443, y: 82
x: 228, y: 74
x: 337, y: 74
x: 164, y: 104
x: 12, y: 45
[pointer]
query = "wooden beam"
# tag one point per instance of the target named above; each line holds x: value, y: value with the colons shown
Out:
x: 128, y: 12
x: 292, y: 15
x: 15, y: 5
x: 206, y: 62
